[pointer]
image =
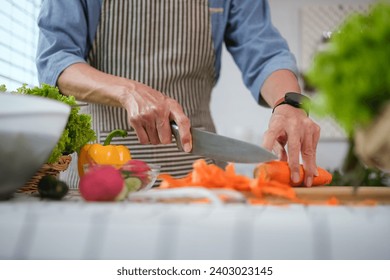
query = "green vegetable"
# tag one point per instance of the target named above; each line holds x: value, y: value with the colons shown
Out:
x: 50, y: 187
x: 352, y: 79
x: 133, y: 184
x: 78, y: 130
x: 353, y: 75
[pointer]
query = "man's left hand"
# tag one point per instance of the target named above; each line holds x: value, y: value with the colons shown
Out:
x: 291, y: 126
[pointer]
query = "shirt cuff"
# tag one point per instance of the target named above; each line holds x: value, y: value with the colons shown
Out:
x: 58, y: 63
x: 267, y: 71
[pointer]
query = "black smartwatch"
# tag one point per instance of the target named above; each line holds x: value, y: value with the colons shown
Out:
x: 294, y: 99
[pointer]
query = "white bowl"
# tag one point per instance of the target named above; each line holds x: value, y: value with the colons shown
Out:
x: 30, y: 127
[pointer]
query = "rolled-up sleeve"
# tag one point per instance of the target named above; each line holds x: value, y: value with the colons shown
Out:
x: 255, y: 44
x: 63, y: 36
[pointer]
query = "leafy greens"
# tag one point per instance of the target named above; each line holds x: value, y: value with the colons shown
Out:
x: 353, y: 75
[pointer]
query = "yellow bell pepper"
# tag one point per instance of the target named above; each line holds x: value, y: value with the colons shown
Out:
x: 104, y: 154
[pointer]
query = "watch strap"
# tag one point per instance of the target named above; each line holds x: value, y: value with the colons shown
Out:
x: 279, y: 102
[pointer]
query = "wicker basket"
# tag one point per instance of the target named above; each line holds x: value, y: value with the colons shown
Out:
x: 47, y: 169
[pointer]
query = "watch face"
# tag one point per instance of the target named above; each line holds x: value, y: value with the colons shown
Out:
x: 295, y: 99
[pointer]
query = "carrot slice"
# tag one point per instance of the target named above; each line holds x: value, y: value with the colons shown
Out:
x: 333, y: 201
x: 209, y: 176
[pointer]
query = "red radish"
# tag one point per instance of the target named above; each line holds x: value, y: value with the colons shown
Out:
x: 102, y: 183
x: 137, y: 168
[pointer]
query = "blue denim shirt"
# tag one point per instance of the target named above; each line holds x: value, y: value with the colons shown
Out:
x: 68, y: 28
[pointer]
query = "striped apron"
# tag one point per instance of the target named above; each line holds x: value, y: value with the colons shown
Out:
x: 166, y: 45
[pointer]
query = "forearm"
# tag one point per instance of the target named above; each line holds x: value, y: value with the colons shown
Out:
x: 88, y: 84
x: 277, y: 85
x: 149, y: 111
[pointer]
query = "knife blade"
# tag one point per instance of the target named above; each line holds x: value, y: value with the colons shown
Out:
x: 223, y: 148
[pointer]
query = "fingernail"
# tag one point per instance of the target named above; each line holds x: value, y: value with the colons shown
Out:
x: 309, y: 181
x: 295, y: 177
x: 316, y: 172
x: 187, y: 147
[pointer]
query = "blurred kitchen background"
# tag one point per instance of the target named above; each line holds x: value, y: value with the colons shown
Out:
x: 302, y: 22
x: 19, y: 34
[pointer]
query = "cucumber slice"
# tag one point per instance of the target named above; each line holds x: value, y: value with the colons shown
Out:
x: 133, y: 184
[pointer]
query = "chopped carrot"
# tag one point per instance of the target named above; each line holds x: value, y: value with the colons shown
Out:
x: 257, y: 201
x: 210, y: 176
x: 280, y: 171
x: 271, y: 179
x: 170, y: 182
x: 333, y: 201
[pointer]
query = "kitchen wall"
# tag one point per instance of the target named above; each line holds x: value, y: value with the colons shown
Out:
x: 301, y: 22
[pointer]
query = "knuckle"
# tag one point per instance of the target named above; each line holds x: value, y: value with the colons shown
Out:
x: 143, y: 140
x: 271, y: 132
x: 184, y: 122
x: 134, y: 120
x: 309, y: 152
x: 311, y: 127
x: 161, y: 122
x: 310, y: 124
x: 294, y: 168
x: 317, y: 129
x: 170, y: 102
x: 149, y: 116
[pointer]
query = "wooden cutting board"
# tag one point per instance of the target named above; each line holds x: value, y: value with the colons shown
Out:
x: 326, y: 195
x: 345, y: 194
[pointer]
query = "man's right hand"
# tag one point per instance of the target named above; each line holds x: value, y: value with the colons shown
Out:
x: 150, y: 113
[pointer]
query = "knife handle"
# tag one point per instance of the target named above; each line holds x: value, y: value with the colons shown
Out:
x: 175, y: 132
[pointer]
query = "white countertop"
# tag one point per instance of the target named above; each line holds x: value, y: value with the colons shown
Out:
x: 31, y: 228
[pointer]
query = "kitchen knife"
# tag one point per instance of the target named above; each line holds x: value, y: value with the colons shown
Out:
x: 223, y: 148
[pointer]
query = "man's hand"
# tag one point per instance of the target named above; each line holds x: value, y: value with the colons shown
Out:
x: 150, y: 113
x: 291, y: 126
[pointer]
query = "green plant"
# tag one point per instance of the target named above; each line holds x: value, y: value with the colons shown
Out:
x: 352, y: 79
x: 353, y: 75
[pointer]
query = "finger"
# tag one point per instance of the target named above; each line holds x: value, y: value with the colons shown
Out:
x: 280, y: 151
x: 184, y: 126
x: 269, y: 139
x: 164, y: 129
x: 293, y: 146
x: 185, y: 134
x: 141, y: 133
x: 308, y: 158
x: 151, y: 130
x: 316, y: 138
